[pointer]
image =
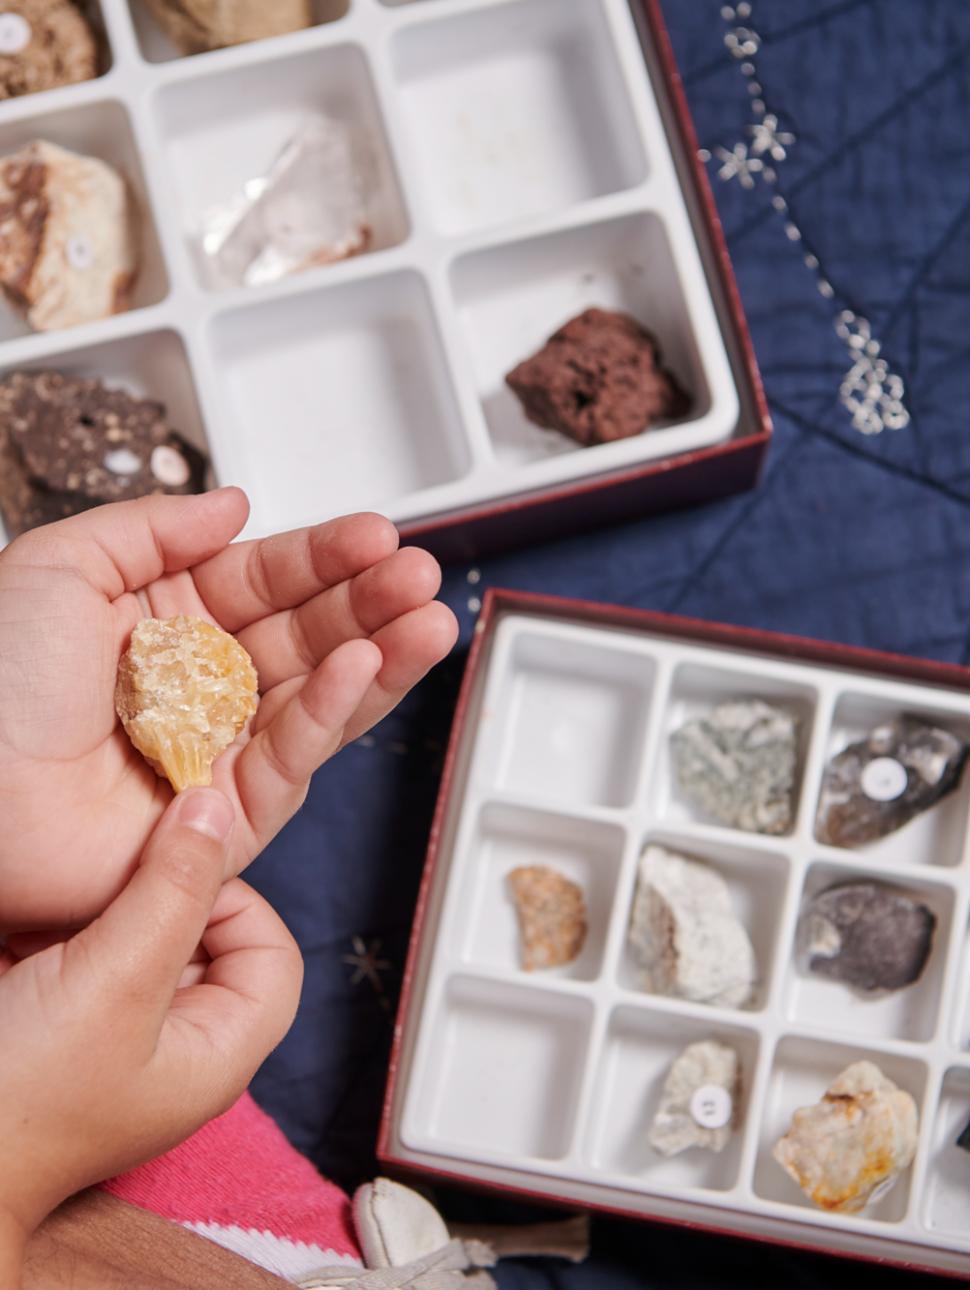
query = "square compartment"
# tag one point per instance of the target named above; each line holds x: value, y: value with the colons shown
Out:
x: 156, y: 47
x: 502, y: 1073
x: 515, y: 110
x: 939, y: 835
x: 640, y: 1048
x: 100, y: 130
x: 803, y: 1069
x: 696, y: 690
x: 757, y: 882
x: 339, y: 400
x: 584, y: 851
x: 946, y: 1191
x: 512, y: 298
x: 573, y: 722
x: 910, y: 1013
x: 221, y: 130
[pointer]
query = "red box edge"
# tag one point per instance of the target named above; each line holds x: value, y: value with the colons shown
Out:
x: 498, y: 600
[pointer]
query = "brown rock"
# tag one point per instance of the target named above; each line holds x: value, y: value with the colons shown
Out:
x: 552, y: 916
x: 197, y: 25
x: 44, y: 44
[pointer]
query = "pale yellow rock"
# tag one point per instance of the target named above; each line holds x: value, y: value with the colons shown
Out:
x: 848, y: 1149
x: 185, y: 690
x: 197, y: 25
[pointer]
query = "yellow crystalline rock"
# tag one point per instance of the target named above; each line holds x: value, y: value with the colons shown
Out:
x: 185, y: 690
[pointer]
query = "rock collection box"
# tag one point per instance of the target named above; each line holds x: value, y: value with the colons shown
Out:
x: 525, y: 160
x: 576, y: 1083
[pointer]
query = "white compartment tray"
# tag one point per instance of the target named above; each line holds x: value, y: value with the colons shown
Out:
x: 521, y: 173
x: 547, y: 1081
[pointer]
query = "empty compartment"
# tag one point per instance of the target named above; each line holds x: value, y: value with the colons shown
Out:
x: 223, y: 130
x: 757, y: 882
x: 696, y: 691
x: 502, y: 1073
x: 156, y: 46
x: 512, y: 298
x: 803, y: 1069
x: 583, y: 851
x: 946, y: 1188
x: 639, y: 1050
x: 574, y: 721
x: 514, y: 110
x: 938, y: 835
x: 101, y: 130
x: 908, y: 1013
x: 339, y: 400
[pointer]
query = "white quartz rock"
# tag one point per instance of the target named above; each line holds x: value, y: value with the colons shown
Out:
x: 698, y: 1105
x: 848, y: 1150
x: 685, y: 934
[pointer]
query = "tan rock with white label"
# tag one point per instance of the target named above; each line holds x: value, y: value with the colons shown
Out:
x: 44, y: 44
x: 68, y: 236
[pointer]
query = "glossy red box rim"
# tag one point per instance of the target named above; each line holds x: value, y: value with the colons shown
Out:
x: 500, y: 601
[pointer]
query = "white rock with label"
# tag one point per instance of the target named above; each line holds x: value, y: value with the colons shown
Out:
x: 685, y: 934
x: 698, y: 1105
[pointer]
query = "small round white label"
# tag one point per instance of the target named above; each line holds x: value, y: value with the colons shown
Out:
x: 122, y: 461
x: 884, y: 779
x: 711, y: 1106
x: 169, y: 466
x: 15, y: 33
x: 80, y: 252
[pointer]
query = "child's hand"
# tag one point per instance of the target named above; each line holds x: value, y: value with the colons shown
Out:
x: 104, y: 1061
x: 339, y: 622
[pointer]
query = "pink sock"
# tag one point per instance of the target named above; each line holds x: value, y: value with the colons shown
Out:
x: 240, y: 1183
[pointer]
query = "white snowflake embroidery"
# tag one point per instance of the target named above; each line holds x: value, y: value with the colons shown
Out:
x: 737, y: 162
x: 870, y: 392
x: 766, y: 137
x: 368, y: 966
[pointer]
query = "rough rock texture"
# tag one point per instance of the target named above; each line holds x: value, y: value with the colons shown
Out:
x: 737, y: 765
x: 849, y: 1149
x: 963, y: 1141
x: 685, y: 934
x: 867, y: 935
x: 197, y: 25
x: 68, y: 241
x: 44, y: 44
x: 69, y: 443
x: 862, y: 800
x: 552, y: 916
x: 185, y: 690
x: 689, y: 1116
x: 598, y: 378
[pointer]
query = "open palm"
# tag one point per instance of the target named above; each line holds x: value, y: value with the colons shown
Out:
x: 339, y: 623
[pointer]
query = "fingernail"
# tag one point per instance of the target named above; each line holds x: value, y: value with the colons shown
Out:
x: 207, y: 811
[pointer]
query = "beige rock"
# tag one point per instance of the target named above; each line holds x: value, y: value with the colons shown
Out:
x: 68, y: 238
x: 698, y: 1105
x: 197, y: 25
x: 44, y: 44
x: 848, y: 1150
x: 552, y: 916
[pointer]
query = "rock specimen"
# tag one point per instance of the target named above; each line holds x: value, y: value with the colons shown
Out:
x: 310, y: 209
x: 599, y: 378
x: 875, y: 786
x: 686, y: 936
x: 698, y: 1105
x: 197, y: 25
x: 44, y: 44
x: 963, y: 1141
x: 848, y: 1150
x: 70, y: 443
x: 867, y: 936
x: 185, y: 690
x: 552, y: 916
x: 68, y: 242
x: 737, y: 765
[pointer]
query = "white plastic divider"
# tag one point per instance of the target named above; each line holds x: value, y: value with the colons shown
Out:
x: 522, y: 173
x: 521, y: 803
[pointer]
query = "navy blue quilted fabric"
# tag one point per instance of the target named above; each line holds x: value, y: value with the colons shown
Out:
x: 851, y: 538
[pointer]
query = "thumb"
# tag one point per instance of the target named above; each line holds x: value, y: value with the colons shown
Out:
x: 137, y: 949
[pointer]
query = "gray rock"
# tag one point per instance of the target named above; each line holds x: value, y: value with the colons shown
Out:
x: 699, y: 1102
x: 873, y: 787
x: 867, y: 936
x: 685, y: 934
x: 737, y: 765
